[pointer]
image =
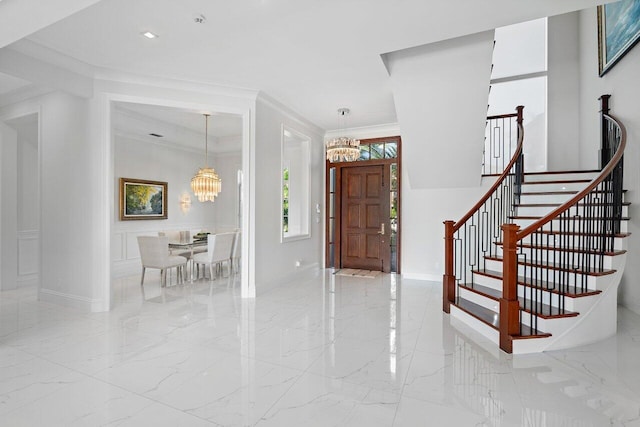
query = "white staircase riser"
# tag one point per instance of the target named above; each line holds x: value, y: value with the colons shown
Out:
x: 581, y: 176
x: 462, y: 317
x: 553, y: 326
x: 578, y: 304
x: 619, y: 243
x: 488, y: 303
x: 555, y: 257
x: 554, y: 186
x: 581, y: 210
x: 549, y: 298
x: 548, y: 275
x: 569, y: 226
x: 544, y: 198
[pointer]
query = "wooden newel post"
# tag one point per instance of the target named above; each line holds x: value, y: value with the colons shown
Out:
x: 605, y: 144
x: 509, y: 305
x: 448, y: 278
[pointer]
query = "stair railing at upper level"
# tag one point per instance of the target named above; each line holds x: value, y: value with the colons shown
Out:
x: 469, y: 240
x: 565, y: 246
x: 500, y: 143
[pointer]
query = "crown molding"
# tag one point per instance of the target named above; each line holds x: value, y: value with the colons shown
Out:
x: 365, y: 132
x: 269, y: 101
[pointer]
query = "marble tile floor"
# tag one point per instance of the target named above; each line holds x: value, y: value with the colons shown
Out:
x: 325, y: 351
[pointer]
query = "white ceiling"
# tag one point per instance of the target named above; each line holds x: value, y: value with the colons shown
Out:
x: 178, y: 127
x: 10, y: 83
x: 312, y: 56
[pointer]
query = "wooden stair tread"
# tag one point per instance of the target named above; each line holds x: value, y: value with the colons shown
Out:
x: 563, y: 172
x: 558, y: 181
x: 573, y: 250
x: 556, y: 267
x: 545, y: 311
x: 552, y: 205
x: 544, y: 193
x: 570, y: 291
x: 624, y: 218
x: 578, y: 233
x: 489, y: 317
x: 551, y: 192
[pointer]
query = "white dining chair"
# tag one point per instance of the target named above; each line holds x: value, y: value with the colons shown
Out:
x: 154, y: 253
x: 236, y: 251
x: 218, y: 252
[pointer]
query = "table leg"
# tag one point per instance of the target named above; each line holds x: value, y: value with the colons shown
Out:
x: 191, y: 259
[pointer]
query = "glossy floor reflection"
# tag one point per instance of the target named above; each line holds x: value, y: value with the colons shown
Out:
x: 326, y: 351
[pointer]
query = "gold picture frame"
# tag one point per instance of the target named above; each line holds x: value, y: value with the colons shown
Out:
x: 618, y: 32
x: 142, y: 199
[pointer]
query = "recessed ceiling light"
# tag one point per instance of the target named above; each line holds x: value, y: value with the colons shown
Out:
x: 149, y: 35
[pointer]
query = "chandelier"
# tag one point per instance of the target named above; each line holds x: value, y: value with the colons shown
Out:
x: 343, y: 149
x: 206, y: 184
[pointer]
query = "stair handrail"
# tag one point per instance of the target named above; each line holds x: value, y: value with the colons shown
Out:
x: 507, y: 169
x: 593, y: 184
x: 602, y: 196
x: 515, y: 167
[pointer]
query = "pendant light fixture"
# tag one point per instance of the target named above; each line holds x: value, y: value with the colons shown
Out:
x: 206, y: 184
x: 343, y: 149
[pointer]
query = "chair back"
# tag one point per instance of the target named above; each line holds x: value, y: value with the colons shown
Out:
x: 237, y: 239
x: 219, y: 246
x: 154, y: 251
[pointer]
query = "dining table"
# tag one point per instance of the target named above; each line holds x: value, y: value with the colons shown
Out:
x: 191, y: 244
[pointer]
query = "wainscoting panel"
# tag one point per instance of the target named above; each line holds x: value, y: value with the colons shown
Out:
x: 28, y: 257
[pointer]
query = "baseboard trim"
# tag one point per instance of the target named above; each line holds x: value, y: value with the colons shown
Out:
x: 307, y: 271
x: 70, y: 300
x: 421, y: 276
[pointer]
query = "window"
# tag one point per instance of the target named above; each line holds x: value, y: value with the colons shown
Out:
x: 295, y: 185
x: 519, y: 77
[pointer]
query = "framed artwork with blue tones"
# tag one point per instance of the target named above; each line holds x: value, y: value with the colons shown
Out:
x: 618, y: 31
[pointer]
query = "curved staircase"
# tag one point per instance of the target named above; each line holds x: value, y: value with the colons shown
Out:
x: 536, y: 264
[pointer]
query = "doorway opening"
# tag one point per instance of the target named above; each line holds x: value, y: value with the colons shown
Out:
x: 21, y: 215
x: 363, y: 208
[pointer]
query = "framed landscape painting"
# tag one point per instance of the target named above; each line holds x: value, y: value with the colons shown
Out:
x: 142, y: 199
x: 618, y: 31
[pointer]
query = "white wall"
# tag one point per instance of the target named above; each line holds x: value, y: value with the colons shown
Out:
x: 8, y: 207
x: 436, y: 88
x: 158, y: 162
x: 275, y: 261
x: 622, y: 83
x: 563, y: 92
x: 226, y: 206
x: 28, y: 199
x: 422, y: 216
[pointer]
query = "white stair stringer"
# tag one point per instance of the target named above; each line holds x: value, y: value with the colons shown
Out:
x: 590, y: 309
x: 595, y: 323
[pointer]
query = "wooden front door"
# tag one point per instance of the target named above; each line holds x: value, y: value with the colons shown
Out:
x: 365, y: 219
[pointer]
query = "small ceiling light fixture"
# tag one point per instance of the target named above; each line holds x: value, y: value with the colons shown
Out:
x: 150, y: 35
x: 206, y: 184
x: 200, y: 19
x: 343, y: 149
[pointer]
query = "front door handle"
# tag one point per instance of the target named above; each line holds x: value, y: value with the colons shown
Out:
x: 381, y: 231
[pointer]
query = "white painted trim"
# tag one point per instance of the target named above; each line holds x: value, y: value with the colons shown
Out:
x: 289, y: 113
x: 22, y: 237
x: 69, y: 300
x: 158, y: 142
x: 306, y: 271
x: 421, y: 276
x: 366, y: 132
x: 248, y: 161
